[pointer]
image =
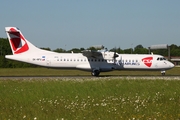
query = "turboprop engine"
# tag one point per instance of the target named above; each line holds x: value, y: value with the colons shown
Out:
x: 109, y: 55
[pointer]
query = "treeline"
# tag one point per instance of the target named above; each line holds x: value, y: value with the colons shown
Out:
x: 139, y: 49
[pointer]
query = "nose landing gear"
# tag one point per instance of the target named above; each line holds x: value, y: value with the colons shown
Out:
x: 163, y: 72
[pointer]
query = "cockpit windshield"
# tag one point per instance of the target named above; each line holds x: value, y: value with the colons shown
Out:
x: 161, y: 58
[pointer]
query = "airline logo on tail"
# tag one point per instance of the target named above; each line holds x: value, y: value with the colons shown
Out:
x: 147, y: 61
x: 17, y: 41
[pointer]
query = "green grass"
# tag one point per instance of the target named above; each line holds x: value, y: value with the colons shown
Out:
x: 60, y: 72
x: 89, y: 98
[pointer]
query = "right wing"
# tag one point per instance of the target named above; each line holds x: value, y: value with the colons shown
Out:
x: 90, y: 53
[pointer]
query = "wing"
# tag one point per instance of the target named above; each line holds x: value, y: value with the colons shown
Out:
x: 94, y: 54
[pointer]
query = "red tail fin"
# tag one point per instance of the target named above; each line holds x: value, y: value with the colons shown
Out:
x: 17, y: 41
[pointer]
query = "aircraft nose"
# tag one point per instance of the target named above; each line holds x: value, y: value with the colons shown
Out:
x: 171, y: 65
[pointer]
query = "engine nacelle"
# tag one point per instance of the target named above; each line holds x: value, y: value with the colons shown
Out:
x: 109, y: 55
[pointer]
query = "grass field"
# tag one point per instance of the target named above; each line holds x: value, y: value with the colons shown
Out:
x: 88, y: 98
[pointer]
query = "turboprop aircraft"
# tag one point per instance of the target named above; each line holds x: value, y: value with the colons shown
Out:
x: 93, y: 61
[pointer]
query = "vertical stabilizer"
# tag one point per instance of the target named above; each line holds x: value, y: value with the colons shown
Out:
x: 18, y: 42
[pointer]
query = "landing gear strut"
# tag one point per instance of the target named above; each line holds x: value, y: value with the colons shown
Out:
x: 163, y: 72
x: 95, y: 73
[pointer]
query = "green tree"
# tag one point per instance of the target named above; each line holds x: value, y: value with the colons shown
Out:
x: 174, y: 50
x: 128, y: 51
x: 139, y: 49
x: 59, y: 50
x: 81, y: 49
x: 5, y: 48
x: 49, y: 49
x: 117, y: 50
x: 75, y: 50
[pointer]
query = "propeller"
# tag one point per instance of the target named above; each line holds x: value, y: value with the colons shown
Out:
x: 115, y: 55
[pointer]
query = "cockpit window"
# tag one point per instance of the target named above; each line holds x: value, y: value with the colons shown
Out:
x: 161, y: 58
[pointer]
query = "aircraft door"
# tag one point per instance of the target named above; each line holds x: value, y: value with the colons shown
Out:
x: 156, y: 65
x: 48, y: 62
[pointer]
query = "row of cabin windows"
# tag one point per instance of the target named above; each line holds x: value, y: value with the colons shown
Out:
x: 96, y: 60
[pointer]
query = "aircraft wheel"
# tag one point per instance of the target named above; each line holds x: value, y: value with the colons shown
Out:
x: 163, y: 73
x: 95, y: 73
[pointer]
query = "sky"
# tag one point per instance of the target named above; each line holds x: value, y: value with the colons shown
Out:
x: 71, y: 24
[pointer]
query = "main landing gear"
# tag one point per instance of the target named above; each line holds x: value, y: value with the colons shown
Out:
x: 95, y: 73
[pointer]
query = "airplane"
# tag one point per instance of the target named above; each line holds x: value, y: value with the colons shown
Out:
x: 93, y: 61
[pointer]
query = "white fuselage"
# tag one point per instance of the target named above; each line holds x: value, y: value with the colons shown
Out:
x: 78, y: 61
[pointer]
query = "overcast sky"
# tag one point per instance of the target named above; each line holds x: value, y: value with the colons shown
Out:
x: 82, y: 23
